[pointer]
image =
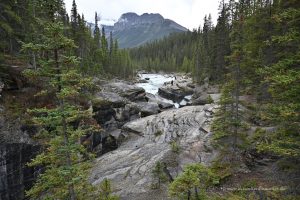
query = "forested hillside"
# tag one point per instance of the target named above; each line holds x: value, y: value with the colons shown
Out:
x: 25, y: 21
x: 216, y: 115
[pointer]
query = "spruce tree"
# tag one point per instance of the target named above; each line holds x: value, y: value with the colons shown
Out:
x: 104, y: 50
x: 228, y: 122
x: 106, y: 191
x: 159, y: 174
x: 193, y: 182
x: 97, y: 33
x: 74, y: 18
x: 222, y: 43
x: 283, y: 77
x: 235, y: 70
x: 64, y: 160
x: 111, y: 47
x: 8, y: 18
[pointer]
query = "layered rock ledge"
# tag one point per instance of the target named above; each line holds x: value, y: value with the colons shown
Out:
x: 149, y: 140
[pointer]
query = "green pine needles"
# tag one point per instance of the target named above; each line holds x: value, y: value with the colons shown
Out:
x: 193, y: 182
x: 64, y: 161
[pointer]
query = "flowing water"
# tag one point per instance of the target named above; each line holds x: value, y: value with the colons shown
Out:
x: 154, y: 82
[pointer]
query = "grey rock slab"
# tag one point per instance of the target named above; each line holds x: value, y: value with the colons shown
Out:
x: 127, y: 90
x: 130, y: 166
x: 162, y: 103
x: 148, y: 108
x: 113, y: 98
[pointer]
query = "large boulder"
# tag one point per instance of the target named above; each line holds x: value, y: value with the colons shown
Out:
x: 201, y: 100
x: 205, y: 94
x: 199, y: 90
x: 148, y: 108
x: 126, y: 90
x: 105, y: 104
x: 171, y: 94
x: 205, y: 99
x: 103, y: 113
x: 113, y: 105
x: 130, y: 166
x: 130, y: 112
x: 114, y: 99
x: 163, y: 104
x: 177, y: 89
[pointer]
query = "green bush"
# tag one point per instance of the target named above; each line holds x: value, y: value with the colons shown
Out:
x: 175, y: 147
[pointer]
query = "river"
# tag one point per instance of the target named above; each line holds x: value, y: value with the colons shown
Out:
x: 154, y: 82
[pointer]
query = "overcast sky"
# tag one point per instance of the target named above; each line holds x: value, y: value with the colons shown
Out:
x: 188, y: 13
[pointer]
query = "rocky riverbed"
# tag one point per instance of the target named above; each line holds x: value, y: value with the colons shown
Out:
x: 140, y: 121
x: 119, y: 102
x: 150, y: 125
x: 172, y: 89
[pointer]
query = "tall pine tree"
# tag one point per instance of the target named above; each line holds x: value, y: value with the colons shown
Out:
x: 64, y: 160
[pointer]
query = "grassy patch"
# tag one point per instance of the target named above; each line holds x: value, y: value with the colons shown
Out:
x: 175, y: 147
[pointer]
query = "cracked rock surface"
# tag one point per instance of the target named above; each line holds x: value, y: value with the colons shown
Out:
x: 149, y: 140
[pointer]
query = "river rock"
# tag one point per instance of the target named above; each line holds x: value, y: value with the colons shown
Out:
x: 114, y: 99
x: 177, y: 89
x: 171, y: 94
x: 126, y: 90
x: 203, y: 94
x: 103, y: 115
x: 201, y: 100
x: 199, y: 91
x: 160, y: 101
x: 142, y: 81
x: 148, y: 108
x: 130, y: 166
x: 131, y: 112
x: 115, y: 103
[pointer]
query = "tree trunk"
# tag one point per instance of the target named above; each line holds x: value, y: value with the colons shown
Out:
x: 68, y: 161
x: 34, y: 60
x: 196, y: 193
x: 236, y: 99
x: 64, y: 124
x: 189, y: 195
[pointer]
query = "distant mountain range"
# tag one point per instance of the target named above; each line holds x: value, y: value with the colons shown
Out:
x: 132, y: 30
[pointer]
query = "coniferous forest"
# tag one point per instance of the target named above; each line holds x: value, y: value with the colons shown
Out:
x: 76, y: 124
x: 251, y: 50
